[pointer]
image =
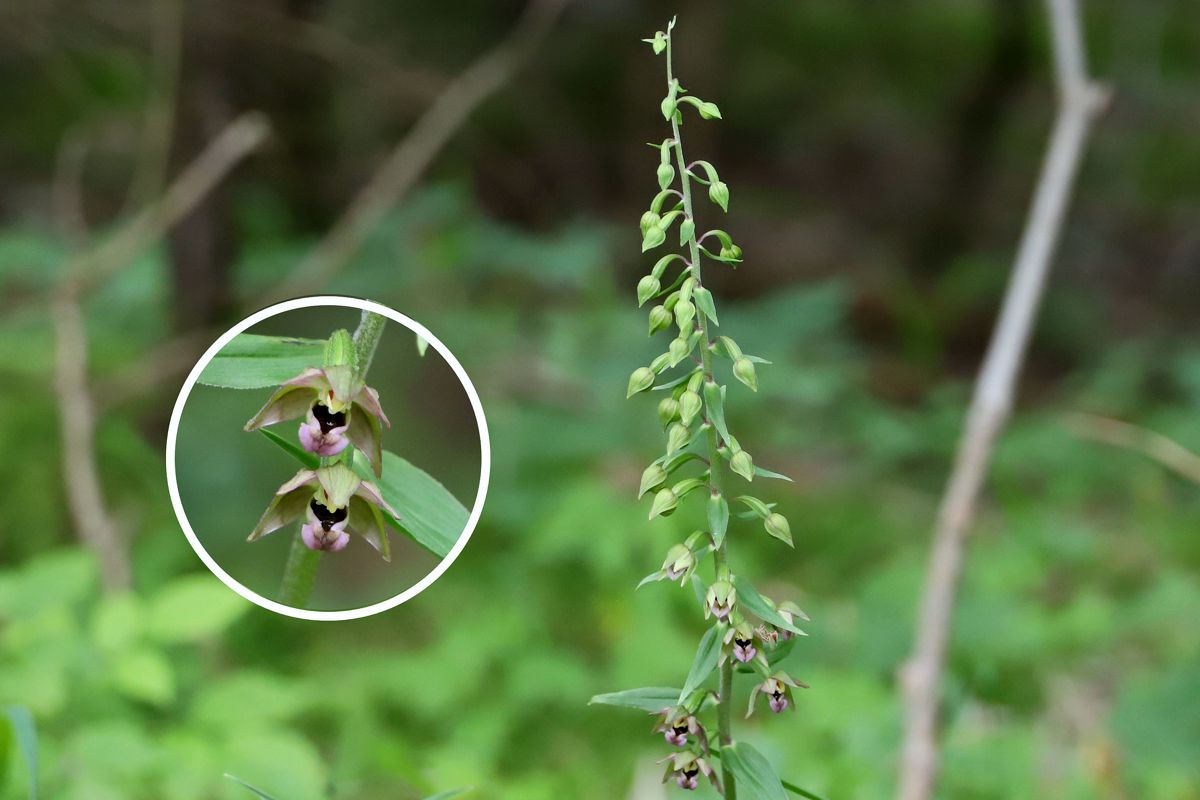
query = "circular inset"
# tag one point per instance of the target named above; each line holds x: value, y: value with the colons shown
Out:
x: 282, y: 413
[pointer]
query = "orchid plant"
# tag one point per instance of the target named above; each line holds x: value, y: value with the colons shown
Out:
x: 750, y: 633
x: 349, y: 485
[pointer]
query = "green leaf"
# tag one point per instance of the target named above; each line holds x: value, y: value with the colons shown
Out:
x: 749, y: 598
x: 21, y: 728
x: 649, y: 698
x: 766, y: 473
x: 193, y: 608
x: 428, y: 512
x: 756, y: 778
x: 144, y: 674
x: 704, y: 301
x: 705, y: 662
x: 292, y: 448
x: 714, y: 404
x: 253, y: 362
x: 446, y: 795
x: 794, y: 789
x: 757, y: 506
x: 256, y: 790
x: 718, y: 517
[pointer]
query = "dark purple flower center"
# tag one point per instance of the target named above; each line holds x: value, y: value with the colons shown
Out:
x: 691, y: 771
x: 326, y: 517
x: 327, y: 419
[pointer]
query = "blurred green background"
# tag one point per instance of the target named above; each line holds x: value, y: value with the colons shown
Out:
x: 880, y: 158
x: 227, y: 476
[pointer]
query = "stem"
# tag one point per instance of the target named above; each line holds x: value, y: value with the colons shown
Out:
x: 716, y: 477
x: 301, y: 570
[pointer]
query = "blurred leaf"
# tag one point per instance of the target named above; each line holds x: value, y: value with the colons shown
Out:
x: 291, y: 448
x: 651, y: 698
x: 446, y: 795
x: 193, y: 608
x: 117, y: 622
x: 756, y: 778
x: 144, y: 674
x: 794, y: 789
x: 756, y: 604
x: 766, y: 473
x: 21, y: 729
x: 250, y: 361
x: 705, y: 662
x: 283, y: 760
x: 254, y: 789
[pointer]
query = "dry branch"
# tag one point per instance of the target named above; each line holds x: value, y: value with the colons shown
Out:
x: 1080, y: 100
x: 1154, y: 445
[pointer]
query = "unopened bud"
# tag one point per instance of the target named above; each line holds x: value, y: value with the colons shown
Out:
x: 668, y: 410
x: 731, y: 253
x: 687, y: 229
x: 653, y: 477
x: 679, y: 561
x: 689, y: 406
x: 641, y: 380
x: 660, y: 319
x: 665, y: 502
x: 677, y: 437
x: 647, y: 287
x: 685, y: 312
x: 743, y: 370
x: 718, y: 192
x: 777, y: 525
x: 649, y: 220
x: 742, y: 464
x: 666, y: 174
x: 652, y: 237
x: 678, y: 350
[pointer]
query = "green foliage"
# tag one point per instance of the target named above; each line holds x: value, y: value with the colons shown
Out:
x: 250, y: 361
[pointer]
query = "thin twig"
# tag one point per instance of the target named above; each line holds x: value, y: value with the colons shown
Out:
x: 1164, y: 450
x: 1080, y: 100
x: 413, y: 155
x: 77, y: 413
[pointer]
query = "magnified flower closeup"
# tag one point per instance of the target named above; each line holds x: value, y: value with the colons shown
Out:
x: 338, y: 409
x: 336, y: 504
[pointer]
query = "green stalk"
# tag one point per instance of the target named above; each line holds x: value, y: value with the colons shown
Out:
x: 300, y: 572
x: 716, y: 477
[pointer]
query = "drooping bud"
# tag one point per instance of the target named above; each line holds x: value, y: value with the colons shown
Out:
x: 660, y: 363
x: 665, y: 503
x: 718, y: 192
x: 742, y: 464
x: 652, y: 477
x: 678, y: 350
x: 687, y: 229
x: 647, y: 287
x: 649, y: 220
x: 731, y: 252
x: 685, y: 312
x: 678, y: 436
x: 660, y: 319
x: 720, y: 599
x: 743, y: 370
x: 658, y: 43
x: 652, y: 237
x: 668, y: 409
x: 777, y: 525
x: 666, y: 174
x: 641, y: 380
x: 689, y: 406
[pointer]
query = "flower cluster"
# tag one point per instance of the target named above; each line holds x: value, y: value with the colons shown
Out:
x: 340, y: 414
x: 750, y: 633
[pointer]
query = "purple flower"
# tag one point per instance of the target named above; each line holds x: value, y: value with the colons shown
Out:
x: 719, y: 600
x: 687, y: 768
x: 338, y: 409
x: 778, y: 691
x: 677, y: 724
x: 335, y: 503
x: 743, y: 650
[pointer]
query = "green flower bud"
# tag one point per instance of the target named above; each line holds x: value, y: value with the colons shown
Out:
x: 648, y: 221
x: 742, y: 464
x: 666, y: 174
x: 687, y: 229
x: 660, y: 319
x: 678, y: 350
x: 689, y: 406
x: 679, y: 563
x: 720, y: 599
x: 677, y: 437
x: 652, y: 237
x: 685, y: 312
x: 731, y: 252
x: 743, y: 370
x: 718, y: 192
x: 665, y: 503
x: 777, y: 525
x: 709, y: 110
x: 654, y: 476
x: 641, y: 380
x: 647, y: 287
x: 668, y: 410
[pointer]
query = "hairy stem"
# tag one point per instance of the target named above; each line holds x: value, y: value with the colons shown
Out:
x: 716, y: 478
x: 301, y: 570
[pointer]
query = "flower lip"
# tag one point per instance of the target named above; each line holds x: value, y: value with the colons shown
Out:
x: 326, y: 517
x: 328, y: 420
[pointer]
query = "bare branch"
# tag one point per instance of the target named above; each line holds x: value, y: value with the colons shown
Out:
x: 1080, y: 102
x: 1162, y: 449
x: 239, y: 139
x: 413, y: 155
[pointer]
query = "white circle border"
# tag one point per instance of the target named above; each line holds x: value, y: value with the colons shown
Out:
x: 485, y: 453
